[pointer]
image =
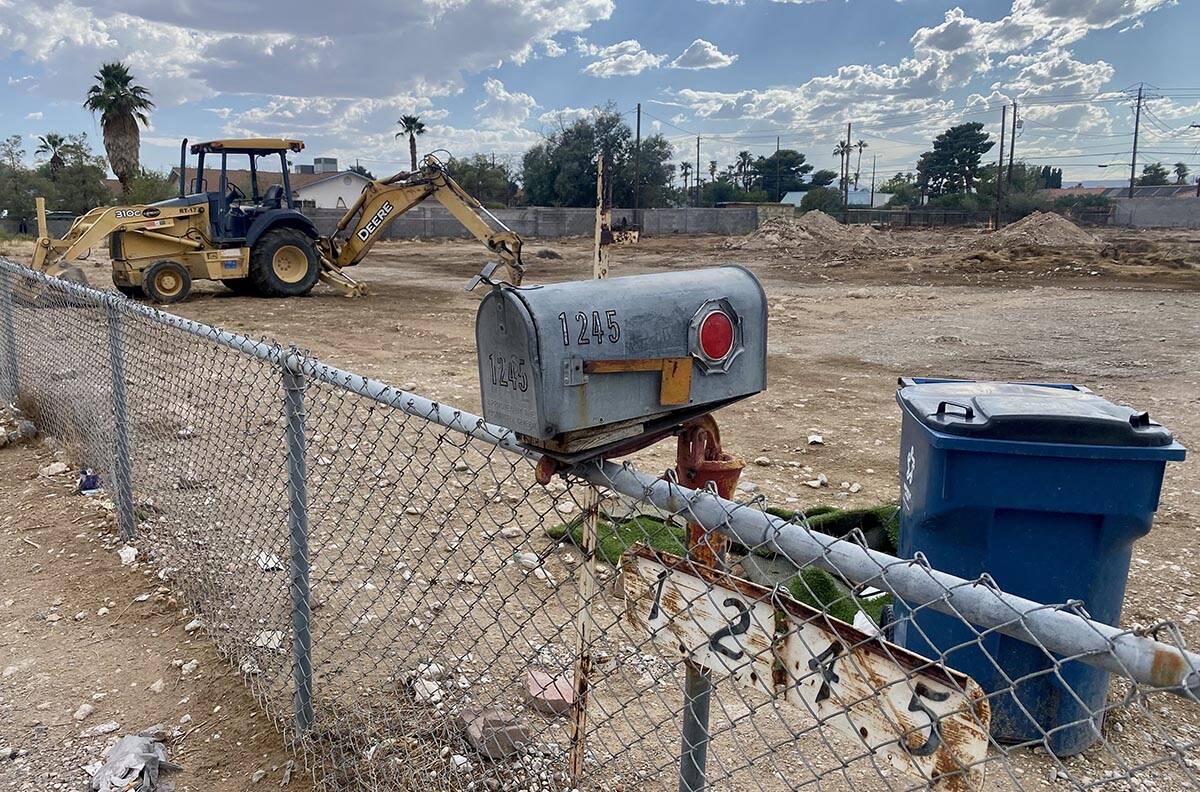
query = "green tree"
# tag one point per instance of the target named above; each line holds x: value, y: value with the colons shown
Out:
x: 361, y: 171
x: 860, y: 145
x: 1181, y: 173
x: 904, y: 191
x: 492, y: 184
x: 1154, y: 175
x: 151, y: 187
x: 411, y: 126
x: 11, y: 151
x: 685, y: 171
x: 51, y: 147
x: 842, y: 152
x: 821, y: 178
x: 745, y: 161
x: 782, y: 172
x: 654, y: 170
x: 953, y: 165
x: 121, y: 105
x: 825, y: 199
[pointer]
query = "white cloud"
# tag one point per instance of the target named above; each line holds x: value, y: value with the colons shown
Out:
x: 623, y: 59
x: 502, y: 108
x: 552, y: 49
x: 701, y: 54
x: 33, y: 116
x: 564, y: 116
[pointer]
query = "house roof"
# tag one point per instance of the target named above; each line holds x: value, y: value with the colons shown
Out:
x: 299, y: 181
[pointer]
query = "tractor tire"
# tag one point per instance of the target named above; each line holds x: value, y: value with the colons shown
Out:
x: 166, y: 282
x: 239, y: 285
x: 284, y: 263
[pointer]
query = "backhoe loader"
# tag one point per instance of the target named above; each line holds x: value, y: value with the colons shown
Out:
x: 259, y: 244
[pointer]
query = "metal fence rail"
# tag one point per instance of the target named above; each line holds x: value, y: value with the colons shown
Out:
x: 416, y: 611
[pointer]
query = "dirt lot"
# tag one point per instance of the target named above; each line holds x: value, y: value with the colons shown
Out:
x: 1121, y: 316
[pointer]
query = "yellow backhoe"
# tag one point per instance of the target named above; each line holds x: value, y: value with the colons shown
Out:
x: 258, y: 243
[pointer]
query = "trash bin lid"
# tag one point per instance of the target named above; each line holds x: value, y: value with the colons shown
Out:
x: 1029, y: 412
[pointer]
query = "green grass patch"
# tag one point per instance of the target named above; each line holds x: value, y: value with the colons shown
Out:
x: 614, y: 537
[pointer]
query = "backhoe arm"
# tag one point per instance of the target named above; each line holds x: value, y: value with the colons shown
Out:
x: 381, y: 202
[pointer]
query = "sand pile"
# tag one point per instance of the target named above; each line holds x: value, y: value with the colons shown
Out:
x: 1043, y: 229
x: 814, y: 230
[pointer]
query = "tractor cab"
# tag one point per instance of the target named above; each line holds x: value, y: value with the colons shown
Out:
x: 237, y: 208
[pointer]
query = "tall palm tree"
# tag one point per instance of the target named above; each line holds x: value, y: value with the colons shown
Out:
x: 52, y: 146
x: 712, y: 170
x: 685, y: 170
x: 860, y: 145
x: 842, y: 152
x: 411, y: 125
x: 744, y: 162
x: 121, y: 105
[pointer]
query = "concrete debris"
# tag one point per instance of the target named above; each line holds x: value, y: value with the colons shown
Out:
x: 268, y: 639
x: 156, y: 686
x: 100, y: 729
x: 762, y: 461
x: 427, y: 690
x: 816, y: 439
x: 193, y: 625
x: 856, y: 487
x: 269, y: 562
x: 127, y: 554
x: 493, y: 732
x: 83, y: 712
x: 189, y: 667
x: 133, y: 765
x: 257, y: 776
x: 53, y: 469
x: 549, y: 694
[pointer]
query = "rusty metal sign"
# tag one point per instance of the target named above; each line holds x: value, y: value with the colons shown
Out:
x: 917, y: 715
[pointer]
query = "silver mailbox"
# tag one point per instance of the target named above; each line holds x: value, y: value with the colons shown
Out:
x: 579, y: 368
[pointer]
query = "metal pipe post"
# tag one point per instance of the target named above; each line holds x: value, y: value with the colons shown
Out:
x: 10, y: 345
x: 293, y: 401
x: 122, y: 469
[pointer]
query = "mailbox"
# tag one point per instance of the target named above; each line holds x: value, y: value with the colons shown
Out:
x: 580, y: 368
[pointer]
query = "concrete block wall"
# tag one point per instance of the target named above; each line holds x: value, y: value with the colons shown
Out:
x: 1157, y: 212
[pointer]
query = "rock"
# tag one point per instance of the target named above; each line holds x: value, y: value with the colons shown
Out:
x: 193, y: 625
x: 493, y: 732
x: 461, y: 467
x: 25, y: 430
x: 185, y: 719
x: 156, y: 686
x: 269, y: 639
x: 81, y: 616
x: 269, y: 562
x: 53, y: 469
x: 460, y: 762
x: 511, y: 533
x: 856, y: 487
x: 83, y: 711
x: 747, y: 486
x: 816, y: 439
x: 529, y: 560
x: 102, y: 611
x: 814, y: 483
x: 189, y: 667
x: 100, y: 729
x: 762, y: 461
x: 427, y: 690
x: 257, y: 776
x: 549, y: 694
x: 127, y: 554
x: 821, y: 477
x: 10, y: 670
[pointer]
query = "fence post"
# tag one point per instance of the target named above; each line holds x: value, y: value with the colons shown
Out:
x: 10, y: 341
x: 293, y: 395
x: 122, y: 469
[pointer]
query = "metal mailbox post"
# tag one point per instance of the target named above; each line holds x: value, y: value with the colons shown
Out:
x: 583, y: 369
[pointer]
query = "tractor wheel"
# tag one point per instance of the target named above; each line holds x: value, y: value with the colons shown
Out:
x: 284, y: 263
x: 166, y: 282
x: 239, y: 285
x: 132, y: 292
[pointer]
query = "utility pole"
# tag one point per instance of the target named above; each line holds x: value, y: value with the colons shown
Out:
x: 1000, y: 164
x: 1137, y: 122
x: 778, y: 189
x: 846, y: 170
x: 697, y: 170
x: 637, y: 168
x: 873, y: 158
x: 1012, y: 144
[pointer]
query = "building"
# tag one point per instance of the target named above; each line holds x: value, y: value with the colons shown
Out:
x: 325, y: 164
x: 857, y: 198
x: 312, y: 190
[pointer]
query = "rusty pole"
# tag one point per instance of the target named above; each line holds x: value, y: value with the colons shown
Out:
x: 591, y: 516
x: 700, y: 460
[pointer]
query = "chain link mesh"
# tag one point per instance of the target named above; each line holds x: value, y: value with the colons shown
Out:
x: 404, y: 598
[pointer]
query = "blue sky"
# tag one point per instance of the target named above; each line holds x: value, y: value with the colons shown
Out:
x: 497, y: 75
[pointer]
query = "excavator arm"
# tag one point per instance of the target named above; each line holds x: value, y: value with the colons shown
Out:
x: 382, y: 201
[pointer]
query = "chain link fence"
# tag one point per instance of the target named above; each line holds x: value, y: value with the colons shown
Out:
x: 415, y: 611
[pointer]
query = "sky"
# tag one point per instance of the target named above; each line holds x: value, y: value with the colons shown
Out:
x: 497, y: 76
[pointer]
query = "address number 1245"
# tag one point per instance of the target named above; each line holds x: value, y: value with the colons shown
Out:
x: 584, y: 329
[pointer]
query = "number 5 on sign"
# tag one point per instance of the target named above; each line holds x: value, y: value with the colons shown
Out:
x: 917, y: 715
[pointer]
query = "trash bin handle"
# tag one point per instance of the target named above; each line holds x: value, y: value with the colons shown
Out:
x: 967, y: 412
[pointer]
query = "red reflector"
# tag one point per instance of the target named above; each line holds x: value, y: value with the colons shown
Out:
x: 716, y: 335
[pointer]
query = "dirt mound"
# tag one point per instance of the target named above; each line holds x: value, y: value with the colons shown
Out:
x: 1043, y: 229
x: 815, y: 230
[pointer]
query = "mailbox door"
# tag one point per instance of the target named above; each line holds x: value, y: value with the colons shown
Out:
x: 510, y: 370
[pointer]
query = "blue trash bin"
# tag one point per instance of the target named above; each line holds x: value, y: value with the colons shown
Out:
x: 1045, y: 488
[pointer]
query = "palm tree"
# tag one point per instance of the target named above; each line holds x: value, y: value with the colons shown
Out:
x: 121, y: 105
x: 860, y: 145
x: 842, y: 152
x: 712, y: 170
x: 744, y: 162
x: 411, y: 125
x: 685, y: 170
x: 52, y: 146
